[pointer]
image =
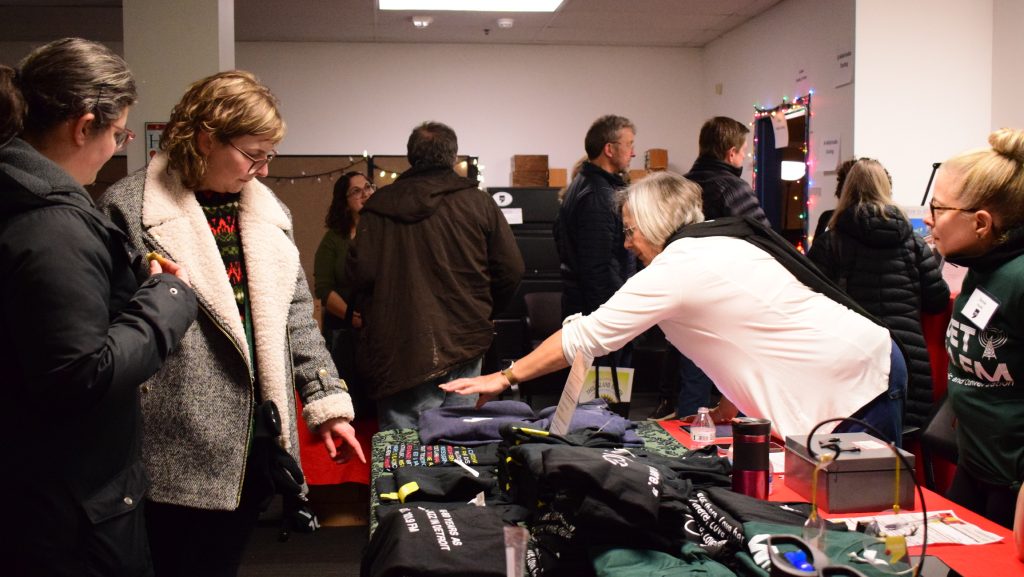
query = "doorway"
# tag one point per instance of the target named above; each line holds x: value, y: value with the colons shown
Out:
x: 781, y: 175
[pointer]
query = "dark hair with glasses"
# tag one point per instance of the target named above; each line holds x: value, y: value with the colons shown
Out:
x: 69, y: 78
x: 339, y: 217
x: 604, y: 130
x: 432, y: 144
x: 227, y: 105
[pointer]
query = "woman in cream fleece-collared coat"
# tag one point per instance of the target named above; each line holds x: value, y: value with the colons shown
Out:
x: 199, y: 204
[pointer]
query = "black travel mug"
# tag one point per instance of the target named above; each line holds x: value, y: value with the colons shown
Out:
x: 750, y: 442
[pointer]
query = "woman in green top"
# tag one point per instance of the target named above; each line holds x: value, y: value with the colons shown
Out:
x: 350, y: 192
x: 977, y: 221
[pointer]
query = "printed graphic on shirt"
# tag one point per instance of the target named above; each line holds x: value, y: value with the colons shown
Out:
x: 976, y: 352
x: 413, y: 455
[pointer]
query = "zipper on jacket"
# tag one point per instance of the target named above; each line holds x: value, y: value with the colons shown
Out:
x: 252, y: 394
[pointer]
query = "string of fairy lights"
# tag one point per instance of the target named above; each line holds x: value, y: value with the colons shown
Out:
x: 786, y: 107
x: 382, y: 176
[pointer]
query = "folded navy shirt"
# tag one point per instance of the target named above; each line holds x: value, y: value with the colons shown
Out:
x: 470, y: 426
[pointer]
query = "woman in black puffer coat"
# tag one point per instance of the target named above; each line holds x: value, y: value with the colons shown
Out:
x: 872, y: 252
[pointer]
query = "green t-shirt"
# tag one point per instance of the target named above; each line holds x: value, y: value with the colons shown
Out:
x: 983, y: 364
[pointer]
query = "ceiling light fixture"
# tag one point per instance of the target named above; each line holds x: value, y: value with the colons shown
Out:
x: 422, y: 22
x: 472, y: 5
x: 505, y: 23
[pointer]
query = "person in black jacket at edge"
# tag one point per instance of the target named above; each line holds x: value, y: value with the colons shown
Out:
x: 722, y: 147
x: 78, y: 332
x: 588, y: 230
x: 872, y: 252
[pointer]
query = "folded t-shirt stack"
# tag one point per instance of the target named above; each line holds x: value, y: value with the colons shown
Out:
x: 470, y: 426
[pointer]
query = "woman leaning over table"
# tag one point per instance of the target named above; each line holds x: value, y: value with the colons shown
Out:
x: 84, y: 322
x: 977, y: 220
x: 214, y: 448
x: 748, y: 309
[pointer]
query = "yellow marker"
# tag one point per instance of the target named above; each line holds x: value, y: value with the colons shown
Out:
x: 154, y: 256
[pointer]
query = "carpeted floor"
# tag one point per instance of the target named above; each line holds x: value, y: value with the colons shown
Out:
x: 333, y: 551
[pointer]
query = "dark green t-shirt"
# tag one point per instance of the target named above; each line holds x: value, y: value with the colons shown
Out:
x: 983, y: 364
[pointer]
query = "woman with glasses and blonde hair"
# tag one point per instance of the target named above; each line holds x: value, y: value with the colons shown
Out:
x: 776, y: 338
x: 871, y: 251
x: 977, y: 220
x: 351, y: 192
x: 220, y: 419
x: 84, y: 321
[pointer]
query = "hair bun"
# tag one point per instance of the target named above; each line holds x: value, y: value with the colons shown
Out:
x: 1008, y: 142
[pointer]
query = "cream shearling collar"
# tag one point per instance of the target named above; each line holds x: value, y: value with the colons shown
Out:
x: 175, y: 223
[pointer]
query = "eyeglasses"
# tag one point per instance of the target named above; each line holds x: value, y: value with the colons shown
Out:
x: 257, y: 164
x: 628, y: 145
x: 365, y: 191
x: 936, y: 208
x: 122, y: 136
x: 628, y: 231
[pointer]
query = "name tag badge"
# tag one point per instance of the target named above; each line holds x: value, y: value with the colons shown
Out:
x: 979, y: 308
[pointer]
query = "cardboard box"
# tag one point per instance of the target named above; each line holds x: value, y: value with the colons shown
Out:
x: 558, y: 177
x: 529, y: 178
x: 530, y: 162
x: 860, y: 479
x: 637, y: 174
x: 656, y: 159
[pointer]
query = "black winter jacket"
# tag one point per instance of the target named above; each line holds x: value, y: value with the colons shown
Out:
x: 589, y: 238
x: 890, y: 271
x: 78, y: 335
x: 433, y: 261
x: 723, y: 192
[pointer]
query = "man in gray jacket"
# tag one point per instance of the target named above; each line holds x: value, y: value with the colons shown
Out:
x: 433, y: 261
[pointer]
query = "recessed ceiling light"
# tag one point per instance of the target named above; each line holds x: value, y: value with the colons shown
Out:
x: 472, y: 5
x: 505, y: 23
x: 422, y: 21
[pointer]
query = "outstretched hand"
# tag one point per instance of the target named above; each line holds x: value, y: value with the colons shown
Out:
x: 487, y: 386
x: 340, y: 429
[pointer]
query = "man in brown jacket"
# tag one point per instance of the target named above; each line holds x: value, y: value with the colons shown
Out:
x: 433, y: 261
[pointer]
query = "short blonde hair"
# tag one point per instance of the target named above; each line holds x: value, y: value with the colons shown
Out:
x: 993, y: 178
x: 227, y: 105
x: 661, y: 204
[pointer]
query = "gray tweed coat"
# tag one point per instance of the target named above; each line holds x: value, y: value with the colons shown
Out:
x: 197, y: 409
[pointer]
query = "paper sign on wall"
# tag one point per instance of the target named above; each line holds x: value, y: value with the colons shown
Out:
x: 153, y: 132
x: 844, y: 68
x: 828, y: 160
x: 781, y: 128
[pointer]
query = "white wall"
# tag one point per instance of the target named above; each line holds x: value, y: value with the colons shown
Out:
x: 501, y: 100
x: 759, y: 63
x: 1007, y: 63
x: 924, y: 85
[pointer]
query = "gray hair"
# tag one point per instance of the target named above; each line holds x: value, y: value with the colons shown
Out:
x: 71, y: 77
x: 661, y: 203
x: 604, y: 130
x: 432, y: 144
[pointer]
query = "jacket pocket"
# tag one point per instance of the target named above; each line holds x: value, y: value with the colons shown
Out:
x: 122, y: 494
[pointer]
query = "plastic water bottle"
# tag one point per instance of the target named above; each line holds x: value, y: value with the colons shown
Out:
x: 702, y: 431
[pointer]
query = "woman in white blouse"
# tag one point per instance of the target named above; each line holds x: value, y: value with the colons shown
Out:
x: 776, y: 348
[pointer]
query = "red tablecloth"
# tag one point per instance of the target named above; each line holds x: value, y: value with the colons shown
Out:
x: 320, y: 469
x: 997, y: 559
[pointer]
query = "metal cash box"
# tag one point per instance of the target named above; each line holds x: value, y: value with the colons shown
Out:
x: 860, y: 479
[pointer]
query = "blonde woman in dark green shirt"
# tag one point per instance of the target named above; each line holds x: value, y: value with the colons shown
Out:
x: 350, y: 192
